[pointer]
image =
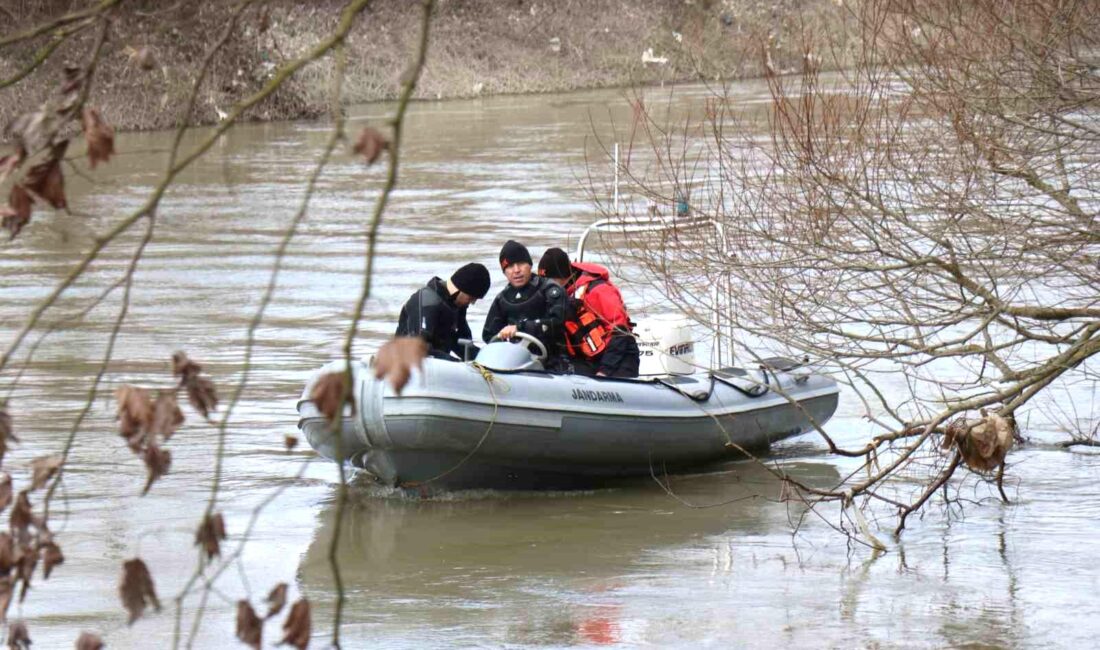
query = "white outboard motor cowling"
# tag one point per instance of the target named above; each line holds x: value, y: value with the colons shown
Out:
x: 667, y: 346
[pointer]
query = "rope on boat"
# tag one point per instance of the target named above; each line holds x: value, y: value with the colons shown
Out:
x: 489, y: 378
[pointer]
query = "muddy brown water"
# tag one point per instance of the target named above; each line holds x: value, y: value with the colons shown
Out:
x: 628, y: 566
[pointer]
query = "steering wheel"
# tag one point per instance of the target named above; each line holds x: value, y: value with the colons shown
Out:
x: 529, y: 341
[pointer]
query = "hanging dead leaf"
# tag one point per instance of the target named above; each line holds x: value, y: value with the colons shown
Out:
x: 89, y: 641
x: 10, y: 162
x: 21, y: 514
x: 136, y: 589
x: 7, y: 553
x: 296, y: 628
x: 167, y: 416
x: 200, y: 391
x: 99, y: 135
x: 396, y: 359
x: 265, y: 19
x: 201, y: 394
x: 289, y: 441
x: 18, y: 637
x: 43, y: 468
x: 135, y: 414
x: 17, y: 213
x: 276, y: 599
x: 370, y: 144
x: 46, y: 180
x: 183, y: 366
x: 157, y: 461
x: 210, y: 534
x: 249, y: 626
x: 24, y: 568
x: 328, y: 395
x: 7, y: 590
x: 51, y: 557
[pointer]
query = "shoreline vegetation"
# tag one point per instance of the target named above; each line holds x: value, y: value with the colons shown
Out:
x: 478, y: 48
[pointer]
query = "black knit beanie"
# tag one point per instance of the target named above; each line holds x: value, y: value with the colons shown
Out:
x: 554, y: 263
x: 472, y: 279
x: 513, y: 252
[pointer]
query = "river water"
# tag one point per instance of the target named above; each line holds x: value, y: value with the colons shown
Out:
x: 629, y: 566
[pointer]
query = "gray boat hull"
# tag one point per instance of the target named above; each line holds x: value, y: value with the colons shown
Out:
x: 460, y: 426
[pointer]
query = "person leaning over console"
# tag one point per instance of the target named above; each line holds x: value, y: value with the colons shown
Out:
x: 529, y: 304
x: 437, y: 312
x: 597, y: 326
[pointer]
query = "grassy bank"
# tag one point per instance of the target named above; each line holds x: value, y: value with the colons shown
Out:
x: 479, y: 47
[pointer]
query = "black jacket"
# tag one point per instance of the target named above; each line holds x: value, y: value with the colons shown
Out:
x: 432, y: 314
x: 537, y: 308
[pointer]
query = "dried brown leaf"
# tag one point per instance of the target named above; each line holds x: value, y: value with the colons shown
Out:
x: 8, y: 557
x: 167, y: 416
x: 46, y: 180
x: 21, y: 514
x: 43, y: 468
x: 157, y: 461
x: 210, y: 533
x: 135, y: 414
x: 17, y: 213
x: 370, y: 144
x: 296, y: 628
x: 27, y: 559
x: 249, y: 626
x: 265, y: 20
x: 99, y: 135
x: 276, y: 600
x: 201, y: 394
x: 290, y: 441
x: 200, y: 390
x: 328, y: 395
x: 7, y: 590
x: 51, y: 557
x: 5, y: 490
x: 18, y: 637
x: 396, y: 359
x: 89, y: 641
x: 136, y: 589
x: 183, y: 366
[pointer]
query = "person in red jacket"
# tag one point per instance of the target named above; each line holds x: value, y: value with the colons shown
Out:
x: 598, y: 333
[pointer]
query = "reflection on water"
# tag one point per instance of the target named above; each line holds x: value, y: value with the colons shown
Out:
x: 630, y: 566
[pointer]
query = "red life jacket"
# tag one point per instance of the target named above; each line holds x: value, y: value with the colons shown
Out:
x: 587, y: 332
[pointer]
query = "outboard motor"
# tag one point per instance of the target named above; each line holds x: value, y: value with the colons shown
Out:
x: 502, y: 355
x: 667, y: 346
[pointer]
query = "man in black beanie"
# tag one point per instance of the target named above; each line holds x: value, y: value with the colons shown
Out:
x: 437, y: 312
x: 529, y: 304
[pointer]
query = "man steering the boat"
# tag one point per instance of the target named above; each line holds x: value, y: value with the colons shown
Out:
x: 437, y: 311
x: 529, y: 304
x: 598, y: 332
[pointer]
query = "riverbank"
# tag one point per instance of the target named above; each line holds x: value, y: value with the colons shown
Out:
x: 478, y: 47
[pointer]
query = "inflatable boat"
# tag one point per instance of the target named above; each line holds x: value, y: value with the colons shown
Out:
x: 500, y: 421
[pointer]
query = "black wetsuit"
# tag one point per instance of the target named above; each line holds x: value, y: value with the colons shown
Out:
x: 432, y: 314
x: 537, y: 308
